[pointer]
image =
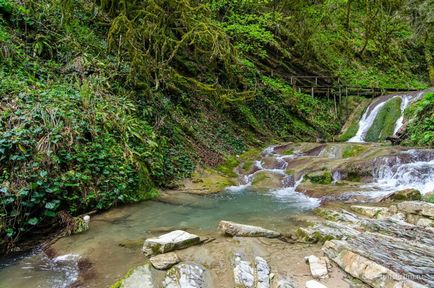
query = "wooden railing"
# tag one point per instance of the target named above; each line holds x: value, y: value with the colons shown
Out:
x: 327, y: 87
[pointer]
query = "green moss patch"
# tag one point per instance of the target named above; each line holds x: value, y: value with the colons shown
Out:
x: 384, y: 123
x: 353, y: 150
x: 324, y: 178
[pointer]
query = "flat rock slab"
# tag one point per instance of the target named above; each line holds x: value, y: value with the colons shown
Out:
x: 417, y: 207
x: 236, y: 229
x: 318, y: 266
x: 365, y: 269
x: 140, y: 277
x: 174, y: 240
x: 164, y: 261
x: 186, y: 275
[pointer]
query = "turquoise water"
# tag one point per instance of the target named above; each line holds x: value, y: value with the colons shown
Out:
x: 194, y: 213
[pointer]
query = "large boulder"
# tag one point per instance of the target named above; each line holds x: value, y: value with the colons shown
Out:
x: 174, y: 240
x: 236, y: 229
x: 417, y: 207
x: 164, y: 261
x: 404, y: 195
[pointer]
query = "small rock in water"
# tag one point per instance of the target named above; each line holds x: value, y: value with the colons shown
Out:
x: 263, y: 272
x: 318, y: 266
x: 185, y: 275
x: 314, y: 284
x: 243, y: 273
x: 403, y: 195
x: 164, y: 261
x: 236, y: 229
x: 174, y: 240
x: 141, y: 277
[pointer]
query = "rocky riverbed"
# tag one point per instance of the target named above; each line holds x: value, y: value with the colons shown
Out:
x: 293, y: 215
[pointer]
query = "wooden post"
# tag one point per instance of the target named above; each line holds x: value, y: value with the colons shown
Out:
x: 313, y: 94
x: 346, y: 100
x: 336, y: 108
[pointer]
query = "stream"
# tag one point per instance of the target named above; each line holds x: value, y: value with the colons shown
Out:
x: 112, y: 245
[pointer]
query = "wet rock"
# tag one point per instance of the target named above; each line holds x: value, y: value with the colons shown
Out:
x: 314, y: 284
x: 265, y: 180
x: 318, y: 266
x: 372, y: 212
x: 236, y: 229
x: 243, y: 273
x: 185, y: 275
x: 417, y: 207
x: 174, y: 240
x: 164, y: 261
x: 368, y: 271
x: 140, y: 277
x: 403, y: 195
x: 263, y: 273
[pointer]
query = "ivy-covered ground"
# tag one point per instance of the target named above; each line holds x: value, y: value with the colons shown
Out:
x: 104, y: 102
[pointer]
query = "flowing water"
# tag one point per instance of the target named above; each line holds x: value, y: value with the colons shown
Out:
x: 113, y: 242
x: 372, y: 111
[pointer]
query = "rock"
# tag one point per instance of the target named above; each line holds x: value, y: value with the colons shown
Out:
x: 265, y: 180
x: 236, y: 229
x: 425, y: 222
x: 403, y: 195
x: 318, y: 266
x: 185, y: 275
x: 243, y: 273
x: 417, y: 207
x: 262, y: 272
x: 372, y: 212
x: 365, y: 269
x: 314, y: 284
x: 81, y: 224
x: 140, y: 277
x: 164, y: 261
x: 320, y: 177
x: 284, y: 282
x: 174, y: 240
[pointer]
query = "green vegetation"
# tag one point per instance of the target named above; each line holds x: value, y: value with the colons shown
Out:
x: 104, y: 102
x: 420, y: 129
x: 353, y: 150
x: 352, y: 125
x: 323, y: 177
x: 384, y: 123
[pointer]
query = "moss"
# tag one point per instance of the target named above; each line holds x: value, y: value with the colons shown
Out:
x: 353, y: 150
x: 353, y: 177
x: 384, y: 124
x: 259, y: 178
x: 326, y: 214
x: 288, y: 152
x: 248, y: 165
x: 227, y: 168
x: 251, y: 154
x: 320, y: 177
x: 352, y: 126
x: 119, y: 283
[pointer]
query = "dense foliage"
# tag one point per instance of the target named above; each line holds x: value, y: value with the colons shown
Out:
x: 102, y: 101
x: 420, y: 130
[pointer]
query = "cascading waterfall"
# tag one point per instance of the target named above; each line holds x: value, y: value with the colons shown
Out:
x: 417, y: 173
x: 372, y: 111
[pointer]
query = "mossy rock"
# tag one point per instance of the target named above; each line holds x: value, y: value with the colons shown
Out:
x: 228, y: 167
x: 321, y: 177
x: 353, y: 150
x: 266, y: 180
x: 384, y: 124
x: 405, y: 195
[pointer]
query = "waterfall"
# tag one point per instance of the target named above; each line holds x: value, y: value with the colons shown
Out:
x: 372, y: 111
